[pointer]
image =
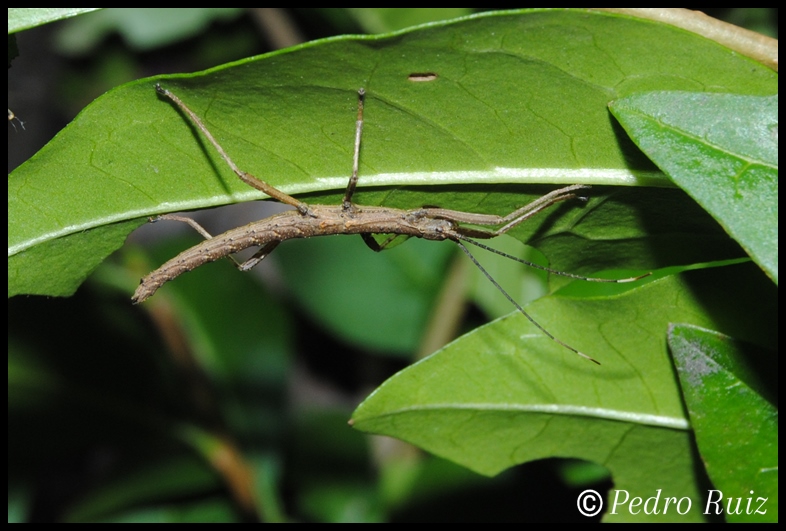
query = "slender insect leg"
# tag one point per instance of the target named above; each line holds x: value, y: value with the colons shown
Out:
x: 12, y: 117
x: 512, y: 219
x: 527, y: 211
x: 196, y: 226
x: 376, y: 246
x: 353, y: 180
x: 371, y: 243
x: 560, y: 194
x: 258, y: 256
x: 247, y: 178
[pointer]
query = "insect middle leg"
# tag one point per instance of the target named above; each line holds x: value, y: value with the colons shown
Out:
x: 346, y: 204
x: 242, y: 266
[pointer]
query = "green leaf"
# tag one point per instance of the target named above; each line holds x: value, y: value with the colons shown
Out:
x: 31, y: 272
x: 505, y: 394
x: 729, y: 387
x: 507, y: 107
x: 22, y: 18
x: 723, y: 150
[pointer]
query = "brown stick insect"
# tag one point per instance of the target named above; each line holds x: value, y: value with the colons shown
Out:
x: 306, y: 221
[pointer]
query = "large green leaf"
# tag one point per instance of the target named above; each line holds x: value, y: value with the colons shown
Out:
x: 508, y: 106
x: 723, y: 150
x: 723, y: 379
x: 505, y: 394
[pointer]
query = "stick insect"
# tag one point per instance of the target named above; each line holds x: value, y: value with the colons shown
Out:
x: 306, y: 221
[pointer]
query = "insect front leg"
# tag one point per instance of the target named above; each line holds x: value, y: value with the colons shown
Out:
x: 527, y: 211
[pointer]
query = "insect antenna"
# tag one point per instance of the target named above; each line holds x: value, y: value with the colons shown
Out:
x: 514, y: 303
x: 548, y: 269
